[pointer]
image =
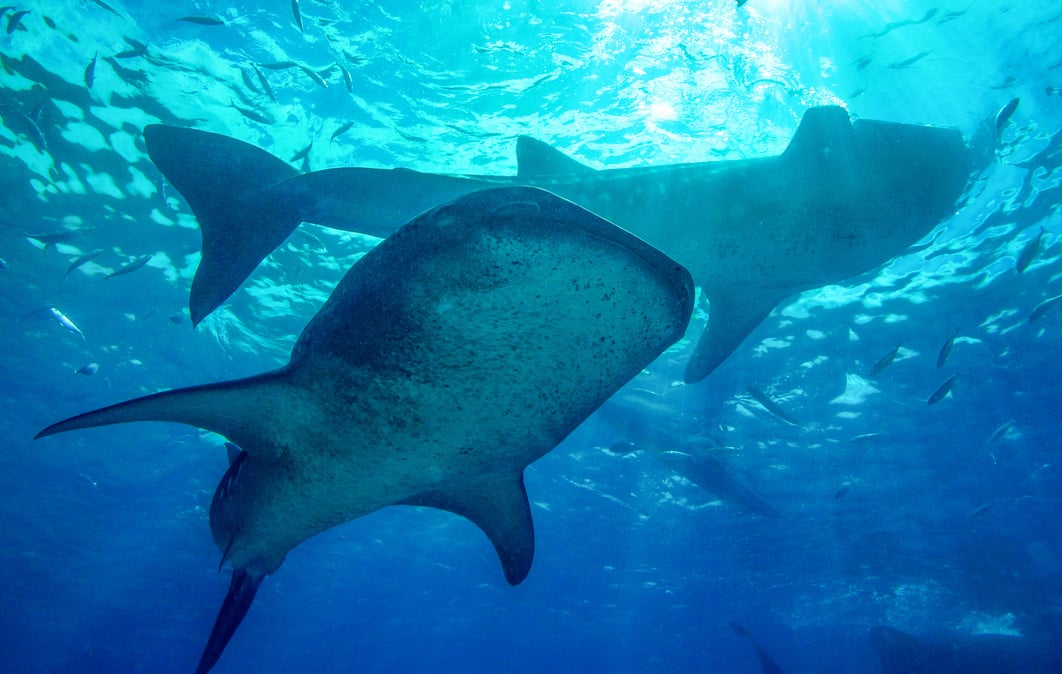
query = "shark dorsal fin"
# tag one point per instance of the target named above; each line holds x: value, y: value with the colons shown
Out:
x: 498, y: 506
x: 535, y: 159
x: 823, y: 132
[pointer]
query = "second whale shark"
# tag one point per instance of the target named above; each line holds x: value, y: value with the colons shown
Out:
x: 844, y: 198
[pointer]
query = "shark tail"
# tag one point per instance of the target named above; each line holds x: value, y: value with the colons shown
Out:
x: 242, y: 590
x: 240, y: 410
x: 225, y: 181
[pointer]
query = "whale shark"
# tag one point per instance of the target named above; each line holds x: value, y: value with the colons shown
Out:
x: 452, y: 355
x: 842, y: 199
x: 953, y: 653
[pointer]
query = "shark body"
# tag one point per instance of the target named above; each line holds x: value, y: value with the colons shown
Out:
x: 843, y: 199
x: 454, y: 354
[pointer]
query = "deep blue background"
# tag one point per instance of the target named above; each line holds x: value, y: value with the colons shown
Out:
x: 106, y: 562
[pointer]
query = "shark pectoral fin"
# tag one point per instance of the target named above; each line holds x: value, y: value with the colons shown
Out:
x: 499, y: 507
x: 225, y: 182
x: 535, y: 159
x: 733, y: 314
x: 241, y: 593
x: 247, y: 411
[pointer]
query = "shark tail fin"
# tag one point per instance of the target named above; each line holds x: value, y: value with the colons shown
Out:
x: 240, y: 410
x: 242, y: 590
x: 224, y: 180
x: 535, y: 159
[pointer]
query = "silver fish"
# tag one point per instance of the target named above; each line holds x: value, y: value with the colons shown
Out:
x: 88, y: 370
x: 65, y: 321
x: 78, y: 261
x: 885, y: 361
x: 941, y: 392
x: 1043, y: 307
x: 1029, y: 252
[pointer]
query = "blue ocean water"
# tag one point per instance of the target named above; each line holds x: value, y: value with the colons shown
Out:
x: 929, y: 519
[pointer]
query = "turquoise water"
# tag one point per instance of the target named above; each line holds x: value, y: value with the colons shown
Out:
x: 893, y: 512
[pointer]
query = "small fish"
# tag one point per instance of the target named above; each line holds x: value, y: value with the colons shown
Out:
x: 885, y: 361
x: 1029, y: 252
x: 138, y: 49
x: 49, y: 22
x: 297, y: 14
x: 88, y: 370
x: 3, y: 264
x: 1043, y: 307
x: 264, y: 82
x: 1001, y: 430
x: 61, y: 236
x: 78, y: 261
x: 131, y: 267
x: 248, y: 82
x: 348, y: 81
x: 252, y: 115
x: 149, y: 313
x: 771, y: 406
x: 314, y: 76
x: 980, y: 510
x: 843, y: 490
x: 279, y: 65
x: 88, y: 478
x: 14, y: 22
x: 65, y: 321
x: 341, y: 130
x: 203, y: 20
x: 33, y: 129
x: 1003, y: 116
x: 941, y: 392
x: 90, y: 71
x: 302, y: 154
x: 864, y: 438
x: 900, y: 65
x: 176, y: 319
x: 107, y: 7
x: 945, y: 350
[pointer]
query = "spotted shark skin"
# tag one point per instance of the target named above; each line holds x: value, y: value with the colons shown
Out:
x: 460, y: 350
x: 844, y: 198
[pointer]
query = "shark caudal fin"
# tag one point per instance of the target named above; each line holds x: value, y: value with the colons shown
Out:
x: 222, y: 179
x: 241, y: 593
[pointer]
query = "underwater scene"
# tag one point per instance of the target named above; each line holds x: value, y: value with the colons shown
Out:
x: 531, y: 336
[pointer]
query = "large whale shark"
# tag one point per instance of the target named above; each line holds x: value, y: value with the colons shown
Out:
x: 461, y: 349
x: 842, y: 199
x: 951, y: 653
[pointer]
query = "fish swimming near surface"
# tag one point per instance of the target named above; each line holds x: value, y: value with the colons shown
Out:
x: 340, y: 131
x: 767, y: 663
x: 297, y: 13
x: 88, y: 370
x: 90, y: 72
x: 14, y: 22
x: 203, y: 20
x: 1005, y: 113
x: 942, y: 391
x: 707, y: 472
x: 771, y: 406
x: 60, y: 236
x: 264, y: 82
x: 250, y: 114
x: 1041, y: 309
x: 945, y: 350
x: 885, y: 361
x: 131, y: 266
x: 460, y: 350
x: 348, y: 81
x: 1029, y: 252
x: 82, y: 260
x: 302, y: 154
x: 743, y: 228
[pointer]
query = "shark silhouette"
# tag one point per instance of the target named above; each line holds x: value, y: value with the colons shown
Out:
x: 951, y: 653
x: 461, y: 349
x: 841, y: 200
